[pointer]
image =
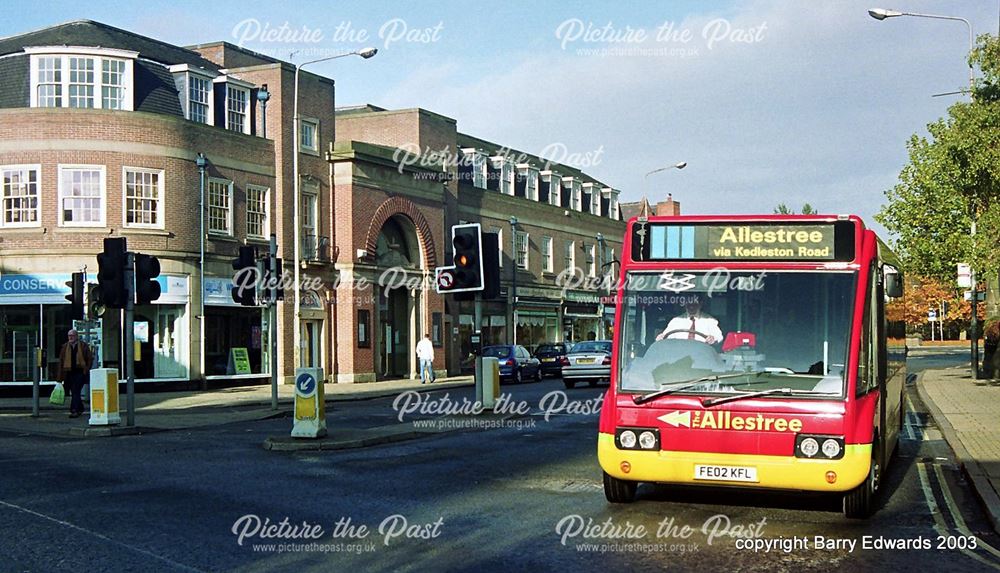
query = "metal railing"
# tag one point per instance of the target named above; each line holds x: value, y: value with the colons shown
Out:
x: 315, y: 248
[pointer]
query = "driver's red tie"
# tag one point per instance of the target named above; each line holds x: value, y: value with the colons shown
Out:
x: 692, y: 330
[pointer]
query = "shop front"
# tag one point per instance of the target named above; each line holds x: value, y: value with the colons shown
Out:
x: 235, y: 336
x: 537, y: 317
x: 34, y: 311
x: 582, y: 318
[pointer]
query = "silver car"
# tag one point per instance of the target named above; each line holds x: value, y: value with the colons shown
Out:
x: 587, y: 362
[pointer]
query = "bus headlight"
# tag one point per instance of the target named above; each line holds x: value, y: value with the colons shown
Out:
x: 809, y: 447
x: 647, y: 440
x: 637, y: 438
x: 627, y: 439
x: 831, y: 448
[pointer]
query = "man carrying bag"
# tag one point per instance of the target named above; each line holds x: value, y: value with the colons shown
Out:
x: 75, y: 359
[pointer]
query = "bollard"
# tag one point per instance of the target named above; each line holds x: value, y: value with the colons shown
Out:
x: 104, y: 397
x: 310, y: 404
x: 488, y: 384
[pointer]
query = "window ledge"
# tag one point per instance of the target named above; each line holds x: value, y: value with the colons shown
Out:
x: 144, y: 231
x: 24, y: 230
x: 223, y: 238
x: 308, y: 151
x: 91, y: 230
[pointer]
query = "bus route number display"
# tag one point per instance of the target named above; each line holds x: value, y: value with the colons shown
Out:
x: 737, y: 241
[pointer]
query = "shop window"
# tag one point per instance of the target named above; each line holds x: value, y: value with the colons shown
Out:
x: 364, y: 328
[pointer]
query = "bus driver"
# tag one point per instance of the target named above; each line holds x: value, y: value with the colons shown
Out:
x: 693, y: 325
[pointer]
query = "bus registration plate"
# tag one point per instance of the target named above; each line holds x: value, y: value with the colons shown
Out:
x: 726, y: 473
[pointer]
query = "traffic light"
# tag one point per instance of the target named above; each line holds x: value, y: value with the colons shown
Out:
x: 274, y: 289
x: 147, y: 268
x: 467, y: 243
x: 75, y: 296
x: 245, y: 279
x: 95, y: 305
x: 111, y: 273
x: 491, y: 265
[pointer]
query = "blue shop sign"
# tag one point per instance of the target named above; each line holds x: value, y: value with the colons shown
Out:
x: 11, y: 284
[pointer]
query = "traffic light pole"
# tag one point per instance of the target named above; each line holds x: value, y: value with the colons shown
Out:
x: 272, y: 294
x: 129, y: 336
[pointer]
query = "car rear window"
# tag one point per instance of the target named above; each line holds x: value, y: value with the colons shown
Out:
x: 548, y: 348
x: 496, y: 351
x: 591, y: 347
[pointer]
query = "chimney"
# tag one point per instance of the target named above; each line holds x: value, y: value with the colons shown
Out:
x: 668, y: 207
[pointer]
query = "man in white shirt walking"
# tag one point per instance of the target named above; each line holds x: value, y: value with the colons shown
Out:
x: 425, y: 354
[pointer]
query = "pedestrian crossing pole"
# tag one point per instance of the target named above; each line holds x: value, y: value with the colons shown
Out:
x: 129, y: 337
x: 272, y: 296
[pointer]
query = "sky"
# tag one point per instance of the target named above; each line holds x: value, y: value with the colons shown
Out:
x: 767, y: 101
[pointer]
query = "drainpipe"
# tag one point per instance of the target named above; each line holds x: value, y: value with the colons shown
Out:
x: 202, y: 163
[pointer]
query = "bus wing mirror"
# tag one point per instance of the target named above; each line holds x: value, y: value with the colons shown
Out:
x: 894, y: 285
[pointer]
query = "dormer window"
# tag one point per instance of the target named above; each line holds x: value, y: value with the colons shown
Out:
x: 194, y: 86
x: 530, y: 176
x: 473, y: 167
x: 235, y: 99
x: 87, y: 78
x: 552, y: 184
x: 236, y: 108
x: 611, y: 200
x: 503, y: 170
x: 572, y: 190
x: 592, y: 191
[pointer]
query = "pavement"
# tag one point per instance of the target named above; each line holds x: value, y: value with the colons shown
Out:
x: 968, y: 413
x: 166, y: 411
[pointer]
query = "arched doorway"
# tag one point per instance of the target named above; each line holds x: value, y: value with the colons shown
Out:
x: 397, y: 254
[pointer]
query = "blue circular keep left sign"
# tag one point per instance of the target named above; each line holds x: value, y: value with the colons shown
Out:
x: 305, y: 383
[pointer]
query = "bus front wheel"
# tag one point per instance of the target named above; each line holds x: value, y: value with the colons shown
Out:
x: 619, y: 490
x: 859, y: 503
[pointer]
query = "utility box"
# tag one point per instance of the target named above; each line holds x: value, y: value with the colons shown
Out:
x: 487, y: 382
x: 310, y: 404
x: 104, y: 397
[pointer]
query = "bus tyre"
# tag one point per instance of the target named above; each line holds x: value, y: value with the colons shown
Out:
x: 569, y: 384
x: 619, y: 490
x: 859, y: 503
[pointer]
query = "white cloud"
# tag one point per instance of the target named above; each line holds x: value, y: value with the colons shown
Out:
x: 817, y: 111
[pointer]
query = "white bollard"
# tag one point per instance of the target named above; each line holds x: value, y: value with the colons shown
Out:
x: 310, y: 404
x: 104, y: 397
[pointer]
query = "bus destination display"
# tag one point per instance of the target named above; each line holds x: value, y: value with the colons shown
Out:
x: 759, y: 241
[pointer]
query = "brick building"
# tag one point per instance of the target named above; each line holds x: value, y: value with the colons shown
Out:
x: 101, y: 131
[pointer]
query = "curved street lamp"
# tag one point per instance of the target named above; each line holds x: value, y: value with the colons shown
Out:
x: 364, y: 53
x: 645, y: 179
x: 881, y: 14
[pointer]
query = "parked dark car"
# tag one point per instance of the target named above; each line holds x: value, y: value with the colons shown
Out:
x: 516, y: 363
x: 587, y: 362
x: 550, y: 355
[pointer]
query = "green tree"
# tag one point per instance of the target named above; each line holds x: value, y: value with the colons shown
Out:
x: 783, y: 209
x: 953, y: 175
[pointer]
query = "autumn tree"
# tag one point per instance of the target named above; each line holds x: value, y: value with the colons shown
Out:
x: 953, y: 178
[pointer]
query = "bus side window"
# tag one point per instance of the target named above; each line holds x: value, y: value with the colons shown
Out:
x: 867, y: 374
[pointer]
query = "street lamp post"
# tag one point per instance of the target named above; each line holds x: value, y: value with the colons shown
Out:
x: 513, y: 283
x: 645, y: 179
x: 365, y: 53
x: 881, y: 14
x: 600, y: 293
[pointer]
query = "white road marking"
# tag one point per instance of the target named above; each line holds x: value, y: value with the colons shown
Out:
x: 101, y: 537
x: 957, y: 515
x: 939, y: 524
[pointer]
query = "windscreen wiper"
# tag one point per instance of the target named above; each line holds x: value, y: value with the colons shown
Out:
x: 686, y: 384
x: 709, y: 402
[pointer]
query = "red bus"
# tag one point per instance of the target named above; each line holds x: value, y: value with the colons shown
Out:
x: 754, y: 352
